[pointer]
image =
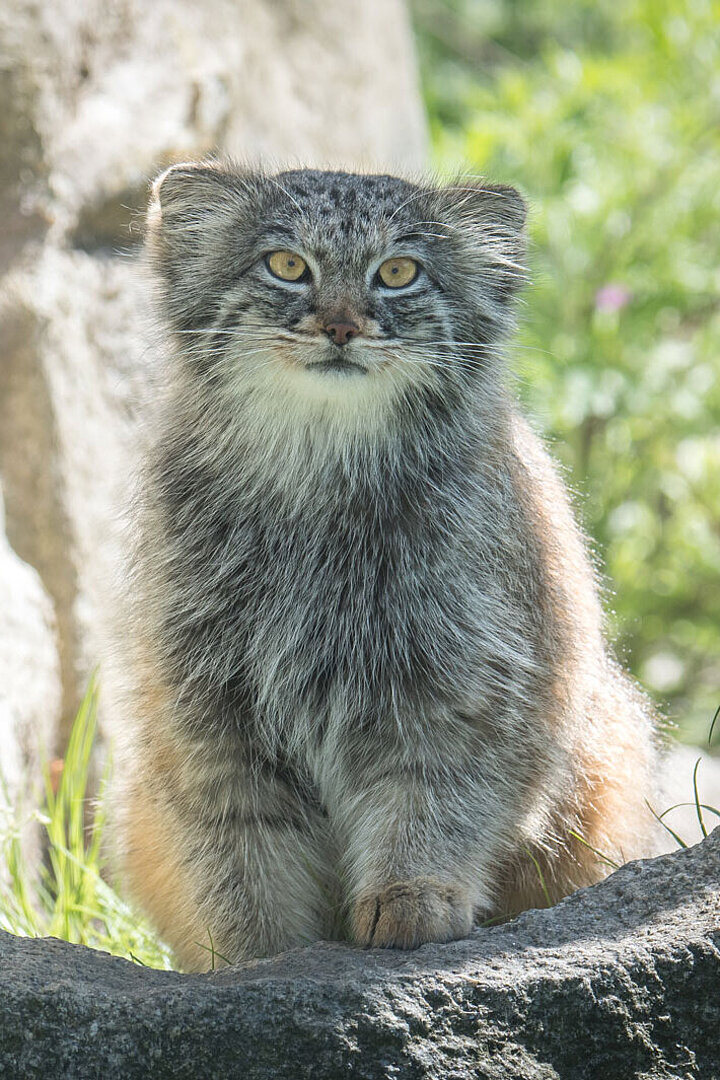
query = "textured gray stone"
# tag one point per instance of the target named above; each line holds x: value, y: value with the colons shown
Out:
x: 619, y: 981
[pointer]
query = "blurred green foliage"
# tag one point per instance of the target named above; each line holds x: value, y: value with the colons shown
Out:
x: 607, y: 116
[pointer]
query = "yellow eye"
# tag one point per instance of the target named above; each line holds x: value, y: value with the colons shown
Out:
x: 398, y: 272
x: 286, y: 265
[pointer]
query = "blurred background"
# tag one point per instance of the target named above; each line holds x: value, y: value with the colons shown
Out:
x: 607, y: 116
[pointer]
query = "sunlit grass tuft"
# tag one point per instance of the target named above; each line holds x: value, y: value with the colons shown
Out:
x: 69, y: 896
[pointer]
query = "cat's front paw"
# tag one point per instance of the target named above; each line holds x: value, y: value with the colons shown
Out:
x: 406, y: 914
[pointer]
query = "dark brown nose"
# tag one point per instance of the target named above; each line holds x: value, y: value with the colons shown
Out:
x: 341, y: 332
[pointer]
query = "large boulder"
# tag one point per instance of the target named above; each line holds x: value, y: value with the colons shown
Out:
x: 619, y: 981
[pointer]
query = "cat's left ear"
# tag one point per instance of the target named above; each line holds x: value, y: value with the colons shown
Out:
x: 487, y: 222
x: 493, y: 205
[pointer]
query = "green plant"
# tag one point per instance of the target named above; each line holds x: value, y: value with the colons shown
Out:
x: 593, y: 109
x: 68, y: 896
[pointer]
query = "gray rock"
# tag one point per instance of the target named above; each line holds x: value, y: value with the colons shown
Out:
x: 618, y: 981
x: 29, y: 692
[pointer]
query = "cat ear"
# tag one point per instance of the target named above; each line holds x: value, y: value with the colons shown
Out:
x: 494, y: 205
x: 194, y: 213
x: 193, y: 222
x: 488, y: 223
x: 187, y: 193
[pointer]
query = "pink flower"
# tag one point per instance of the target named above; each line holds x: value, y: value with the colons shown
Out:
x: 612, y: 297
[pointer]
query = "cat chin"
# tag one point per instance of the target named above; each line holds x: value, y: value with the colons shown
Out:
x: 295, y: 392
x: 283, y: 401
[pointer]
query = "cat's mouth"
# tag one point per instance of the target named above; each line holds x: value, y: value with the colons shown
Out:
x: 339, y: 365
x: 324, y: 356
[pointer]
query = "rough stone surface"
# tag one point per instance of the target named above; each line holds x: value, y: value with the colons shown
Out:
x: 619, y: 981
x: 95, y: 98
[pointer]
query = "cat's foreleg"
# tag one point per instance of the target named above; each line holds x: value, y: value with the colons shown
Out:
x: 422, y: 847
x: 230, y: 863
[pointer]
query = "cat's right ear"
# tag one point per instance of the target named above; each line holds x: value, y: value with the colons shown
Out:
x: 187, y: 184
x: 194, y: 219
x: 185, y: 196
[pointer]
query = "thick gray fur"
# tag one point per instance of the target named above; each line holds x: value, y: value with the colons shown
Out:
x: 370, y: 692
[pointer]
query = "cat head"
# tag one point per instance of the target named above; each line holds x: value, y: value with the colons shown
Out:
x: 335, y: 286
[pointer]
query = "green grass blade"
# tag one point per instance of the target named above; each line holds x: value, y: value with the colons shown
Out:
x: 698, y: 806
x: 678, y: 839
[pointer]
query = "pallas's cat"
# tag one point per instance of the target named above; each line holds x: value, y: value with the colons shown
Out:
x: 370, y: 694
